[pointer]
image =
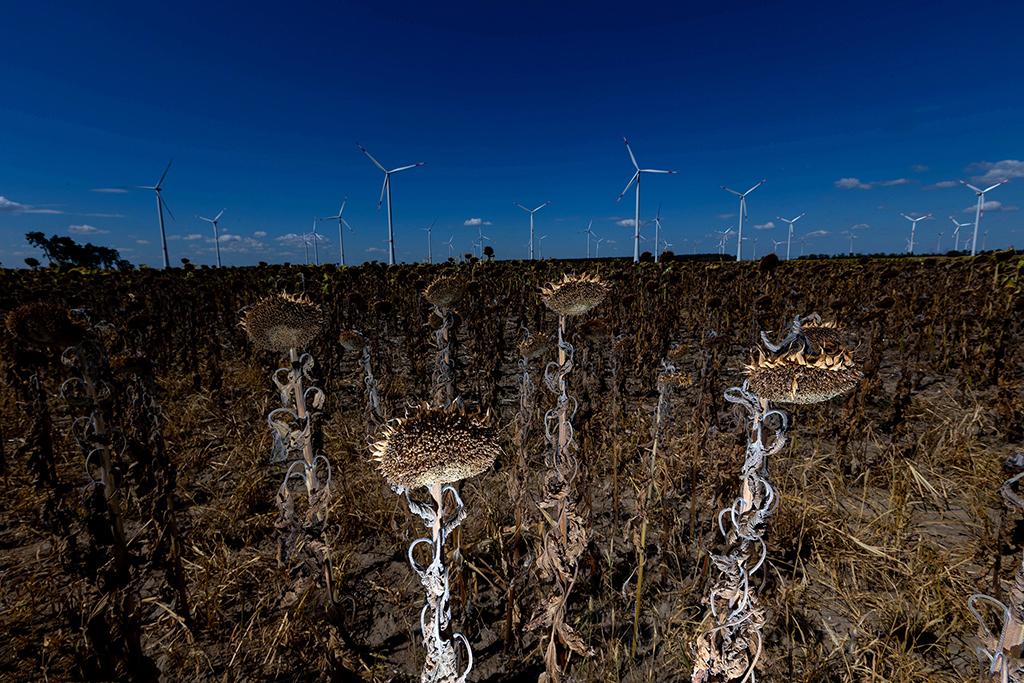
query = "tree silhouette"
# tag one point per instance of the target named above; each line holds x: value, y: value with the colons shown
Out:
x: 65, y: 252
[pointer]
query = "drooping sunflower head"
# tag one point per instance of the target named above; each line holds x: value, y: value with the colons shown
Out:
x: 534, y: 346
x: 282, y: 322
x: 575, y: 294
x: 434, y: 446
x: 43, y: 325
x: 352, y: 340
x: 812, y: 366
x: 445, y: 291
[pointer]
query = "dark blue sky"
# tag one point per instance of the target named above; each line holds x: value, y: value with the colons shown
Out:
x: 261, y: 109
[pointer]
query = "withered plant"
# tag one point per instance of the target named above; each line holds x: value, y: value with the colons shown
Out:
x: 810, y: 365
x: 433, y: 448
x: 566, y: 538
x: 443, y: 293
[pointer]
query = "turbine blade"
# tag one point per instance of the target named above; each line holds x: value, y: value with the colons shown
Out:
x: 963, y: 182
x: 383, y: 188
x: 370, y: 157
x: 345, y: 223
x: 729, y: 189
x: 342, y: 209
x: 994, y: 186
x: 522, y: 207
x: 540, y: 207
x: 405, y: 168
x: 631, y: 157
x: 654, y: 170
x: 169, y: 212
x: 161, y: 181
x: 219, y: 215
x: 759, y: 184
x: 629, y: 185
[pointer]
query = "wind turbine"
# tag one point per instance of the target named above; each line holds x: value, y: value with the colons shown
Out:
x: 852, y: 236
x: 386, y: 190
x: 743, y: 213
x: 789, y: 237
x: 429, y: 229
x: 956, y: 232
x: 531, y: 212
x: 657, y: 233
x: 451, y: 239
x: 597, y: 246
x: 590, y: 233
x: 315, y: 237
x: 913, y: 228
x: 160, y: 206
x: 342, y: 223
x: 977, y: 213
x: 216, y: 235
x: 775, y: 246
x: 540, y: 246
x: 636, y: 216
x: 938, y: 243
x: 725, y: 236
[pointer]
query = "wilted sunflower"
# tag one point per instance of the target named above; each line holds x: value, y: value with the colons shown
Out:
x: 533, y: 346
x: 444, y: 291
x: 814, y: 366
x: 575, y: 294
x: 282, y: 322
x: 434, y: 446
x: 43, y: 325
x: 352, y: 340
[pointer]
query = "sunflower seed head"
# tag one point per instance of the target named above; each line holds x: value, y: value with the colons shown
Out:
x: 445, y: 291
x: 283, y: 321
x: 575, y: 294
x: 434, y: 446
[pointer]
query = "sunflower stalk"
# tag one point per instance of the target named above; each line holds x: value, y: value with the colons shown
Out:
x: 443, y: 389
x: 442, y: 660
x: 667, y: 369
x: 730, y: 644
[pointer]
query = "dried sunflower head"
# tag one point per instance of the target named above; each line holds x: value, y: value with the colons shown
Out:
x: 352, y: 340
x: 434, y: 446
x: 445, y: 291
x: 814, y: 365
x: 575, y: 294
x: 282, y: 322
x: 43, y: 325
x: 533, y: 346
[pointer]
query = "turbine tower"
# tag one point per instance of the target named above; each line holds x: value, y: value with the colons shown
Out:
x: 315, y: 237
x: 540, y: 246
x: 636, y: 216
x: 216, y: 234
x: 743, y: 214
x: 531, y: 212
x: 977, y: 213
x: 429, y: 230
x: 385, y: 190
x: 657, y: 234
x: 160, y: 206
x: 789, y: 236
x: 597, y: 246
x: 956, y: 232
x: 342, y: 224
x: 913, y: 228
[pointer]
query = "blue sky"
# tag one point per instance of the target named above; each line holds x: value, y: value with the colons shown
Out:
x: 853, y: 115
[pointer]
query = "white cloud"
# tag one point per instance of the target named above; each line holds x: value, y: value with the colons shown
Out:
x: 626, y: 222
x: 919, y: 168
x: 292, y: 238
x: 851, y: 184
x: 995, y: 171
x: 86, y: 230
x: 141, y: 241
x: 229, y: 238
x: 241, y: 245
x: 944, y: 184
x: 109, y: 190
x: 860, y: 226
x: 726, y: 216
x: 192, y: 237
x: 11, y: 206
x: 990, y: 206
x: 817, y: 233
x: 858, y: 184
x: 259, y: 233
x: 474, y: 222
x: 101, y: 215
x: 375, y: 250
x: 765, y: 226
